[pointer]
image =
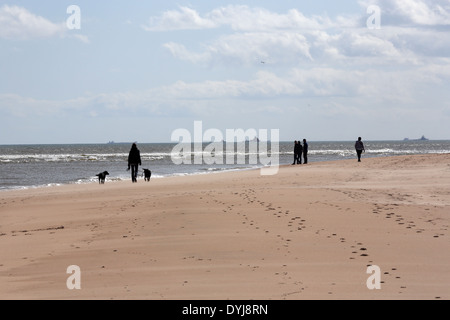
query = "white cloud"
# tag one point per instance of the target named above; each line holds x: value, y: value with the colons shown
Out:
x: 19, y: 23
x: 237, y: 17
x: 82, y: 38
x: 364, y: 45
x: 179, y: 51
x: 294, y: 39
x: 350, y: 46
x: 413, y: 12
x: 185, y: 18
x: 244, y: 18
x: 402, y: 88
x: 248, y: 49
x: 429, y: 13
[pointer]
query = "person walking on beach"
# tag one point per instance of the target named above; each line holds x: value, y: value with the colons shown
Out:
x: 305, y: 151
x: 134, y: 161
x: 359, y: 146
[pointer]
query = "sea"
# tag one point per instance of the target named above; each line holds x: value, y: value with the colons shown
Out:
x: 37, y: 166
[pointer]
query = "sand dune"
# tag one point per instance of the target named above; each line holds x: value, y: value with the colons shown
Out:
x: 309, y: 232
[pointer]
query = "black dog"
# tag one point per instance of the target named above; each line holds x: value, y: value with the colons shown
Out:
x: 102, y: 176
x: 147, y: 174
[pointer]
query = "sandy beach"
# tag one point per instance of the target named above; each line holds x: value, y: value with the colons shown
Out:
x: 309, y: 232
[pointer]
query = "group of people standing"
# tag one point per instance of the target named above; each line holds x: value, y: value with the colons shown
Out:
x: 300, y: 150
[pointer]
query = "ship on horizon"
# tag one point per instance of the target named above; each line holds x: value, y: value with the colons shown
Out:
x: 421, y: 139
x: 113, y: 142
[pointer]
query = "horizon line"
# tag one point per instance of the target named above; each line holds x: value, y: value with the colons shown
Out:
x: 283, y: 141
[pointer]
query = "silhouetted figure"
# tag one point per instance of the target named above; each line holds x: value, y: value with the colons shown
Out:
x: 134, y: 161
x: 300, y: 151
x: 297, y: 153
x: 359, y: 147
x: 305, y: 151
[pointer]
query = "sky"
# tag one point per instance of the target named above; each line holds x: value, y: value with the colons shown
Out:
x: 134, y: 70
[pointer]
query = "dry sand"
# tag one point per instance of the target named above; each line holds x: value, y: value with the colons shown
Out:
x: 308, y: 232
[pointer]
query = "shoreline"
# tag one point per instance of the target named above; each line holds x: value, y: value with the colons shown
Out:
x: 120, y: 180
x: 309, y: 232
x: 175, y: 175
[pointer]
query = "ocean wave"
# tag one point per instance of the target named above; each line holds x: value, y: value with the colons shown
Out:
x: 98, y: 157
x: 186, y: 154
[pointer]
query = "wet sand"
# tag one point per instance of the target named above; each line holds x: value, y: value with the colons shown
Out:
x: 309, y: 232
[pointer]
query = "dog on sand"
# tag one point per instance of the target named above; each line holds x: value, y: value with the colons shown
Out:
x: 147, y: 174
x: 102, y: 176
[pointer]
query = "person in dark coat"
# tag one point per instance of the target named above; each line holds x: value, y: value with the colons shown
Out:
x: 297, y: 153
x: 300, y: 151
x: 134, y: 161
x: 305, y: 151
x: 359, y: 146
